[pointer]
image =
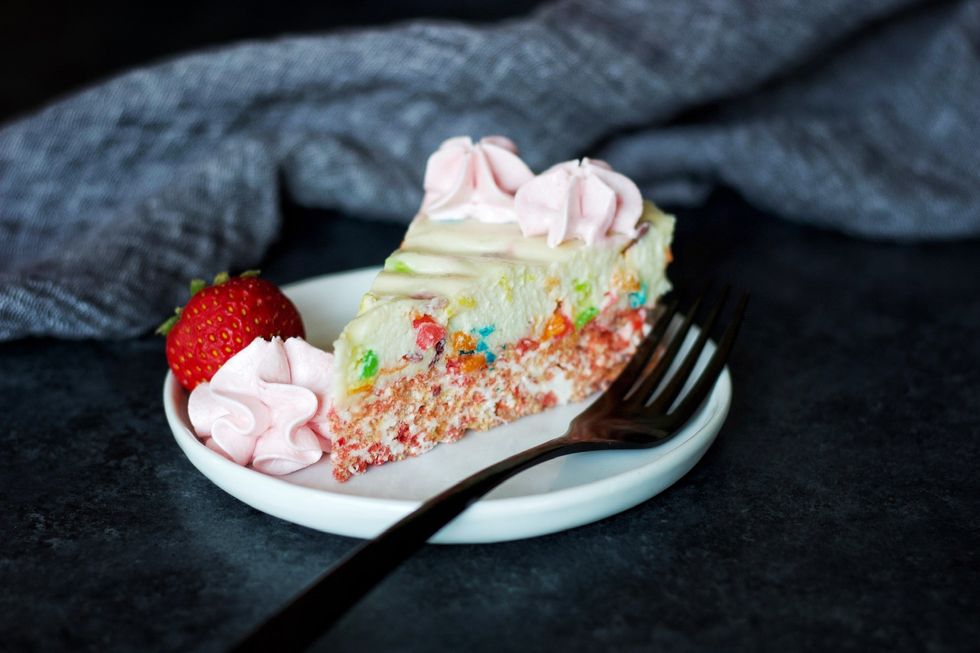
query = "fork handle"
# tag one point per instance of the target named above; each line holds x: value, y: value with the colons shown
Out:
x: 297, y: 625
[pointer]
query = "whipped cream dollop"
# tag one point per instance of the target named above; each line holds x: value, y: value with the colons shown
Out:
x: 583, y: 199
x: 464, y: 179
x: 267, y: 406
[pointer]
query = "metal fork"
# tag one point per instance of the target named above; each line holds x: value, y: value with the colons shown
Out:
x: 630, y: 414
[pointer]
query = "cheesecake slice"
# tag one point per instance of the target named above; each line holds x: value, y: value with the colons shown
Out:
x: 510, y: 294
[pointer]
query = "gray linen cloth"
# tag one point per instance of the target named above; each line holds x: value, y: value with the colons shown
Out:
x: 861, y: 116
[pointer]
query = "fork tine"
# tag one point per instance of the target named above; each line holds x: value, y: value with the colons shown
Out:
x: 650, y: 382
x: 646, y: 388
x: 632, y: 371
x: 704, y: 384
x: 662, y: 403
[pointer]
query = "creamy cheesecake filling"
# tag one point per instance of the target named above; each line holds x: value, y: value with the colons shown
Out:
x: 473, y: 288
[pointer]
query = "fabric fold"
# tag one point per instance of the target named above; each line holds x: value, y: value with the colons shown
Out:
x: 854, y: 116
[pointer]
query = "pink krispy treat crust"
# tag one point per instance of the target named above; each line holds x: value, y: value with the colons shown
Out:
x: 459, y: 392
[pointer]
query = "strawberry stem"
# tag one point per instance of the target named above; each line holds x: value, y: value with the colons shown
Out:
x: 197, y: 285
x: 165, y: 328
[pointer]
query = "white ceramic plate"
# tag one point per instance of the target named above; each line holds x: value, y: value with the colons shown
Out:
x: 551, y: 497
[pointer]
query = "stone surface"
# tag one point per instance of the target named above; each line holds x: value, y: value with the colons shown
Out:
x: 839, y: 508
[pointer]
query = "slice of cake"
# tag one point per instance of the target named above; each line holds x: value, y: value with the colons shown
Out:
x: 510, y: 294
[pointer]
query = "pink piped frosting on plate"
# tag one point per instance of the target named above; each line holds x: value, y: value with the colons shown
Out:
x: 583, y: 199
x: 267, y: 406
x: 464, y: 179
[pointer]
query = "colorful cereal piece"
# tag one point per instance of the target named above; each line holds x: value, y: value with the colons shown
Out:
x: 463, y: 342
x: 482, y: 348
x: 586, y: 316
x: 428, y: 332
x: 508, y: 288
x: 638, y: 298
x: 638, y: 320
x: 364, y: 387
x: 395, y: 265
x: 473, y: 362
x: 582, y: 286
x: 526, y: 344
x: 467, y: 363
x: 459, y: 305
x: 480, y: 342
x: 625, y: 281
x: 369, y: 364
x: 557, y: 326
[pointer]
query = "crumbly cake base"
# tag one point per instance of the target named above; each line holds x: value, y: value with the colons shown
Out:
x: 413, y: 414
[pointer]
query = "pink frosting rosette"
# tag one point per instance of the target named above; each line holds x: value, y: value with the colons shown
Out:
x: 267, y: 406
x: 464, y: 179
x: 578, y: 199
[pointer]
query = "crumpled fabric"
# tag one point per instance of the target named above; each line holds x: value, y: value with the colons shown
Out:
x: 860, y: 116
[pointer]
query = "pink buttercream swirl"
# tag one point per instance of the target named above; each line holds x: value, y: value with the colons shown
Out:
x: 267, y: 406
x: 467, y: 180
x: 578, y: 199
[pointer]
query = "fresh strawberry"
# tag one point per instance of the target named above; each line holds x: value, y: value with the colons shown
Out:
x: 221, y: 320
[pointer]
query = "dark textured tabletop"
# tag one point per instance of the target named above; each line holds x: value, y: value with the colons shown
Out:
x: 839, y: 508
